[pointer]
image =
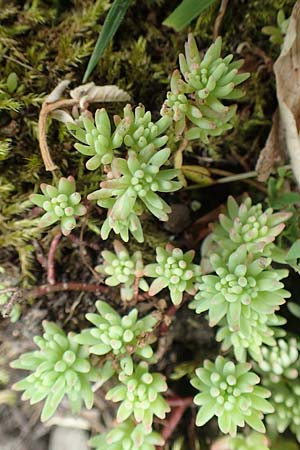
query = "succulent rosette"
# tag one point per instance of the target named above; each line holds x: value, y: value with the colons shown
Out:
x: 61, y: 367
x: 61, y: 203
x: 131, y: 188
x: 141, y: 130
x: 248, y: 224
x: 230, y: 392
x: 262, y: 330
x: 199, y: 97
x: 96, y: 139
x: 281, y: 361
x: 123, y: 269
x: 121, y: 336
x: 240, y: 284
x: 140, y: 394
x: 129, y: 436
x: 173, y: 270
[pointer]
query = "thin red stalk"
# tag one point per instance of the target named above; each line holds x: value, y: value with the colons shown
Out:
x: 51, y: 259
x: 172, y: 423
x: 180, y: 401
x: 165, y: 324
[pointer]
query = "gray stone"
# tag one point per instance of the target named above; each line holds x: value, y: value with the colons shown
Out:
x: 63, y: 438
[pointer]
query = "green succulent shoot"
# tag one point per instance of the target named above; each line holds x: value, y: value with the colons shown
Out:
x: 131, y: 188
x: 123, y: 269
x: 96, y: 139
x: 277, y: 33
x: 173, y: 270
x: 249, y: 225
x: 140, y: 130
x: 253, y: 441
x: 61, y: 203
x: 140, y: 394
x: 60, y: 367
x: 281, y: 361
x: 127, y: 436
x: 260, y: 331
x: 286, y: 402
x: 229, y: 392
x: 121, y: 336
x: 208, y: 82
x: 241, y: 284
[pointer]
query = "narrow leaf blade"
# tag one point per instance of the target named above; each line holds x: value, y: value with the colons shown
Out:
x: 111, y: 24
x: 186, y: 12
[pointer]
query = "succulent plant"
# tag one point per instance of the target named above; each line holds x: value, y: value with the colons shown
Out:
x: 97, y: 140
x: 229, y: 392
x: 140, y: 394
x: 198, y: 98
x: 122, y: 227
x: 140, y: 130
x: 60, y: 367
x: 253, y: 441
x: 260, y: 330
x: 132, y: 185
x: 286, y: 402
x: 121, y: 336
x: 240, y: 284
x: 277, y: 33
x: 281, y: 361
x: 174, y: 270
x: 127, y: 436
x: 123, y: 269
x: 249, y: 225
x: 61, y: 203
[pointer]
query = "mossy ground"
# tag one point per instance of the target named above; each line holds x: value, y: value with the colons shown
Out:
x: 45, y: 44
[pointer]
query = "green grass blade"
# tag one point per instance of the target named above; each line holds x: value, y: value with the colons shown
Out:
x: 186, y: 12
x: 111, y: 24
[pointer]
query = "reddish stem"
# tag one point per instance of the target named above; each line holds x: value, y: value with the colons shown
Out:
x: 51, y: 259
x: 180, y: 401
x: 180, y: 405
x: 165, y: 324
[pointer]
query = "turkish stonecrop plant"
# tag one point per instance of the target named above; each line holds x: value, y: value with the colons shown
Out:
x: 137, y: 177
x: 60, y: 367
x: 230, y: 392
x: 123, y: 269
x: 199, y: 96
x: 174, y: 270
x: 246, y: 291
x: 61, y: 203
x: 120, y: 336
x: 279, y: 368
